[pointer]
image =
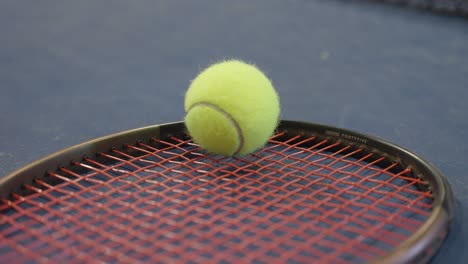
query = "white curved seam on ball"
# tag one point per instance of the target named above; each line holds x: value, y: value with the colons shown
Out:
x: 233, y: 122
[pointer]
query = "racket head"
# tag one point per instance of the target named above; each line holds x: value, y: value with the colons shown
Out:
x: 314, y: 144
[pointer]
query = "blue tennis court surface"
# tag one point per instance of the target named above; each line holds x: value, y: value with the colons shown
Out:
x: 71, y: 71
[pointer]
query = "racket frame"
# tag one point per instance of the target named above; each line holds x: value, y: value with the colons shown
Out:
x: 420, y: 247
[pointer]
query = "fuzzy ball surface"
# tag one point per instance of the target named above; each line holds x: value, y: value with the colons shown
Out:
x: 231, y: 108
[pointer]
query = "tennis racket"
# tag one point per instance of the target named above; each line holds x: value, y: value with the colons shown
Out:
x: 313, y: 194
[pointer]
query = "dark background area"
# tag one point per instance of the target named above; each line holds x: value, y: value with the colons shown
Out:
x: 72, y: 71
x: 448, y: 7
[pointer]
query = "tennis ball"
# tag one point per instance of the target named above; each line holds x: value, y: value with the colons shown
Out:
x: 231, y: 108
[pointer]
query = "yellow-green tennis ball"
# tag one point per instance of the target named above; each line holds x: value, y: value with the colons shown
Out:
x: 231, y: 108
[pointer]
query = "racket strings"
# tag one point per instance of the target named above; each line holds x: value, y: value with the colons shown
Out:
x: 298, y: 198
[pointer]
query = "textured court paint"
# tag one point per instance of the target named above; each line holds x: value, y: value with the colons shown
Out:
x: 84, y: 69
